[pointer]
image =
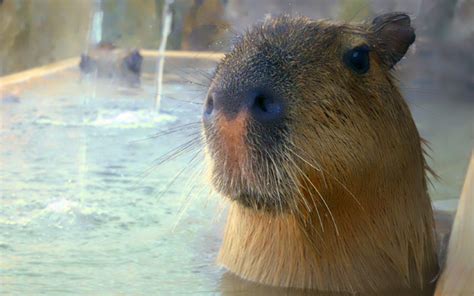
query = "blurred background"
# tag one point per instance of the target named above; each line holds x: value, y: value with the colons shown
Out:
x: 39, y: 32
x: 101, y: 166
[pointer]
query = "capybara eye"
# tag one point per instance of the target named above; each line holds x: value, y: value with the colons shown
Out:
x: 357, y: 59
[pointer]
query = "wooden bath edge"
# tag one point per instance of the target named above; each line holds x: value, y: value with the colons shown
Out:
x: 55, y: 67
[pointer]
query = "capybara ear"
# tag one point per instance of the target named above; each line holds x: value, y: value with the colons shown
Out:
x: 133, y: 61
x: 392, y: 35
x: 87, y: 64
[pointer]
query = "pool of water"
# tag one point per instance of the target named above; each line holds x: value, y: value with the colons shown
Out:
x: 87, y: 208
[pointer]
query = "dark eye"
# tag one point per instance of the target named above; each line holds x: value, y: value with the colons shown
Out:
x: 358, y: 59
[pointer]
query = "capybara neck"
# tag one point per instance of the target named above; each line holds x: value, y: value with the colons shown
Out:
x: 381, y: 242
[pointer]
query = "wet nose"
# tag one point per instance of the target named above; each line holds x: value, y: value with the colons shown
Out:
x: 262, y: 106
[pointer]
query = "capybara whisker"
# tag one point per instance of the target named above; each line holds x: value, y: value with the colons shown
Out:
x: 188, y: 146
x: 176, y: 129
x: 181, y: 100
x: 172, y: 154
x: 189, y: 195
x: 194, y: 159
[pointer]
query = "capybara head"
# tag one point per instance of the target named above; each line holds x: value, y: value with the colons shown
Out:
x: 300, y: 104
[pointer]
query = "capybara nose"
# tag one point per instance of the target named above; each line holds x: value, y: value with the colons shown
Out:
x: 262, y: 106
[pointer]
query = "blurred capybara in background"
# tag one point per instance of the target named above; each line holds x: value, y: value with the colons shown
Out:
x: 109, y: 62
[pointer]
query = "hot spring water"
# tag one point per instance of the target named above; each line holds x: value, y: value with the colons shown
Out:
x: 87, y: 210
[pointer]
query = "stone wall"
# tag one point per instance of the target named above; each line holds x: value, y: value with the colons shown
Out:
x: 39, y: 32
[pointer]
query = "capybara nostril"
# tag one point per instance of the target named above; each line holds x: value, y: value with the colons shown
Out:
x: 265, y: 106
x: 209, y: 105
x: 261, y: 106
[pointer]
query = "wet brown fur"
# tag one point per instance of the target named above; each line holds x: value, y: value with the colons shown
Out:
x: 345, y: 203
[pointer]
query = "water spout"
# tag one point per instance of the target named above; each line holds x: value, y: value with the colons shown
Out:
x: 167, y: 18
x: 95, y: 33
x: 95, y: 36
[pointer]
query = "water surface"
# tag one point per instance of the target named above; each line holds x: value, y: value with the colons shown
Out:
x: 81, y: 205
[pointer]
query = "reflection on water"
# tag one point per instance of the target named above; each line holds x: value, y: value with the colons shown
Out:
x: 82, y: 209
